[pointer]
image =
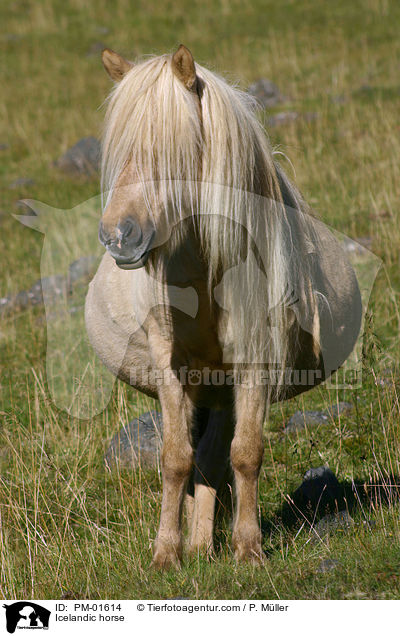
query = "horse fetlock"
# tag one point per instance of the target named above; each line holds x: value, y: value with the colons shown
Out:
x: 247, y: 545
x: 249, y: 553
x: 167, y: 553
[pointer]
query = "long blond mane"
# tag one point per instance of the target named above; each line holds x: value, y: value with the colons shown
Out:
x: 217, y: 164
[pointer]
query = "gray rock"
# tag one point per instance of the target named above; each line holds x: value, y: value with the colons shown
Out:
x: 283, y: 118
x: 11, y: 37
x: 287, y: 117
x: 25, y: 298
x: 311, y: 116
x: 340, y: 408
x: 95, y: 49
x: 4, y: 146
x: 319, y: 488
x: 364, y: 89
x: 6, y: 305
x: 82, y: 159
x: 59, y: 314
x: 138, y: 443
x: 102, y: 30
x: 327, y: 565
x: 300, y: 419
x: 339, y: 99
x: 340, y: 521
x: 50, y: 287
x: 266, y: 93
x: 83, y: 268
x: 387, y: 377
x: 369, y: 523
x: 22, y: 182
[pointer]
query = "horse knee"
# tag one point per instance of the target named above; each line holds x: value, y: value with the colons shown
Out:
x: 176, y: 463
x: 246, y: 458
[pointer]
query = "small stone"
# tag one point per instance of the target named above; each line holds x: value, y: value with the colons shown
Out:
x: 364, y: 89
x: 326, y: 565
x: 319, y: 489
x: 287, y: 117
x: 22, y: 182
x: 82, y: 159
x: 22, y: 300
x: 50, y: 288
x: 338, y: 99
x: 340, y: 521
x: 138, y: 443
x: 4, y: 146
x: 102, y: 30
x: 95, y: 49
x: 53, y: 287
x: 341, y: 408
x: 283, y: 118
x: 70, y: 595
x: 82, y: 268
x: 266, y: 93
x: 11, y: 37
x: 6, y: 305
x: 301, y: 419
x: 387, y: 377
x: 310, y: 116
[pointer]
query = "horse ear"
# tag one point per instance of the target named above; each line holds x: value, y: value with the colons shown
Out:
x: 183, y: 66
x: 41, y: 214
x: 115, y: 65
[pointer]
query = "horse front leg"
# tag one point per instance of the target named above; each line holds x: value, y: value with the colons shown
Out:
x: 176, y: 465
x: 246, y: 457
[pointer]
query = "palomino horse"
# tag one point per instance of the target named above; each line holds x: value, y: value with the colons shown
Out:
x: 196, y: 205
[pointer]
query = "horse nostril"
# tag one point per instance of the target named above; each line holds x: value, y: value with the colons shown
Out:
x: 131, y: 228
x: 127, y: 229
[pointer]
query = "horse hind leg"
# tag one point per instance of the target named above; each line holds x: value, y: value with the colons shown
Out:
x: 211, y: 464
x: 199, y: 425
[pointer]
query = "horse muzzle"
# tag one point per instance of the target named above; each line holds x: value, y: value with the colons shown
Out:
x: 127, y: 244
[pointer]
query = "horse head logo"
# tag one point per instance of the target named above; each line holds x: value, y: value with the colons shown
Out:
x: 25, y: 614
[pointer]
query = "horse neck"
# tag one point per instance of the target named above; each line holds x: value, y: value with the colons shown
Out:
x: 183, y: 266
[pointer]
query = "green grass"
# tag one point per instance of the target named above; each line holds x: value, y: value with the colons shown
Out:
x: 69, y: 527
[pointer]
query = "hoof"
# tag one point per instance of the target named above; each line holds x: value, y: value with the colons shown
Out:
x: 248, y: 554
x: 247, y: 547
x: 165, y: 558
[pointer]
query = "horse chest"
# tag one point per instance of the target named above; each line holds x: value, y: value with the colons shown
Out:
x: 194, y: 337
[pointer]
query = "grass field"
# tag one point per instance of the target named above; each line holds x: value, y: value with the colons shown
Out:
x: 69, y: 528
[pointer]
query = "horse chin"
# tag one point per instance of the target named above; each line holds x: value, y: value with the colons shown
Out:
x: 141, y: 262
